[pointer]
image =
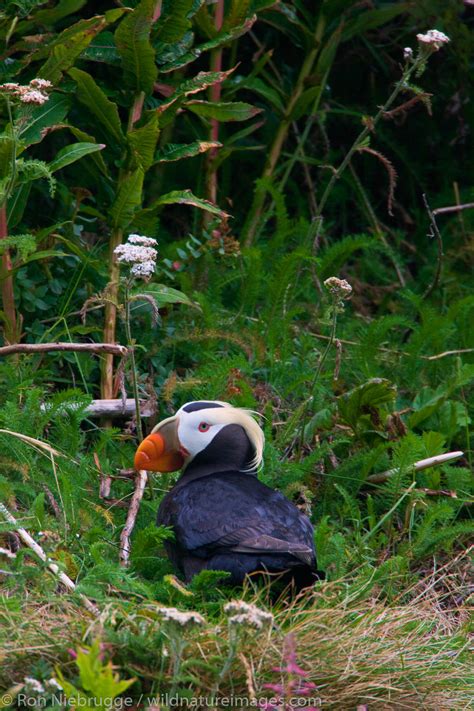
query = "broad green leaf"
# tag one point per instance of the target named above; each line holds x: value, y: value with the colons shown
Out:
x: 426, y: 403
x: 178, y: 151
x: 70, y: 154
x: 128, y: 199
x: 175, y: 21
x: 236, y: 14
x: 6, y: 152
x: 163, y: 295
x: 46, y: 18
x: 371, y: 19
x: 186, y: 197
x: 87, y: 138
x: 132, y: 38
x: 90, y: 94
x: 223, y: 111
x: 268, y: 92
x: 142, y: 143
x: 102, y: 49
x: 357, y: 403
x: 43, y: 117
x: 17, y: 204
x: 201, y: 81
x: 177, y: 56
x: 69, y: 46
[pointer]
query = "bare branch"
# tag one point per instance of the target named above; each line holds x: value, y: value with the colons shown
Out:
x: 36, y: 548
x: 453, y: 208
x: 75, y: 347
x: 417, y: 466
x: 140, y: 483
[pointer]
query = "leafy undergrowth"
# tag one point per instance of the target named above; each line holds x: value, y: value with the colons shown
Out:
x: 353, y: 647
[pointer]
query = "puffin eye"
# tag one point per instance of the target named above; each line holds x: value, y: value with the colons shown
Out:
x: 203, y: 426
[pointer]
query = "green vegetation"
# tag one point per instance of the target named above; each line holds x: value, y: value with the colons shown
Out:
x: 267, y: 147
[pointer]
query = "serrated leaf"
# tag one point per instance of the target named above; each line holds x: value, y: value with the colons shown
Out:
x: 358, y: 402
x: 175, y: 21
x: 186, y: 197
x: 142, y: 143
x: 178, y: 151
x: 91, y: 95
x: 132, y: 38
x: 70, y: 154
x: 51, y: 113
x: 69, y: 46
x: 128, y: 199
x: 223, y: 111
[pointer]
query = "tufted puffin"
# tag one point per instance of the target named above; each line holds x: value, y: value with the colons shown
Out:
x: 222, y: 516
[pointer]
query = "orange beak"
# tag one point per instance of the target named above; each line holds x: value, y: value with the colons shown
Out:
x: 161, y: 450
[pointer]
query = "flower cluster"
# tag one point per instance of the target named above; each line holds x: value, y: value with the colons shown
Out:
x: 243, y: 613
x: 183, y: 619
x: 140, y: 253
x: 433, y: 39
x: 33, y: 93
x: 339, y: 288
x: 293, y: 683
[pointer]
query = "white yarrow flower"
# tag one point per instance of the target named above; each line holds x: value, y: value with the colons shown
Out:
x: 183, y: 619
x: 248, y: 615
x: 408, y: 53
x: 33, y: 685
x: 33, y: 96
x: 338, y: 287
x: 139, y: 253
x: 141, y: 239
x: 433, y: 38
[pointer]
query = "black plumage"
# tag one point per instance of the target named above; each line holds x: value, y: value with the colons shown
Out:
x: 224, y: 518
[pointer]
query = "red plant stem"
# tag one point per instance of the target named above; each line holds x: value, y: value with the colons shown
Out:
x: 8, y: 298
x: 214, y: 95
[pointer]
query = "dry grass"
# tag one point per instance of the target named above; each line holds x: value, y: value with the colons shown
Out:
x: 413, y: 654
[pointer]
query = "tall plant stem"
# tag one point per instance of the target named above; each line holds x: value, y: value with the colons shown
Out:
x: 214, y: 95
x: 250, y: 227
x: 368, y: 128
x: 131, y: 347
x: 322, y: 360
x: 107, y: 379
x: 8, y: 298
x: 107, y: 382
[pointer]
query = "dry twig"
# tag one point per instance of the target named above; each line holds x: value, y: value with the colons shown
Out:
x: 75, y: 347
x: 36, y: 548
x: 446, y: 458
x: 140, y: 483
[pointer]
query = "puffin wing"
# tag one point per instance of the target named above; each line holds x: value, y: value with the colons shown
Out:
x: 247, y: 540
x: 239, y: 513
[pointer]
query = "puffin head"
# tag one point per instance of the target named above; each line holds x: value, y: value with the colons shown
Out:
x: 211, y: 435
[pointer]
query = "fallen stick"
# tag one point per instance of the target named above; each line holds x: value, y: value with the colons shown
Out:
x: 417, y: 466
x: 36, y: 548
x: 75, y: 347
x: 140, y: 483
x: 113, y: 408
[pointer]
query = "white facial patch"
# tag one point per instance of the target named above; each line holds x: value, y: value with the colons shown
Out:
x: 196, y: 430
